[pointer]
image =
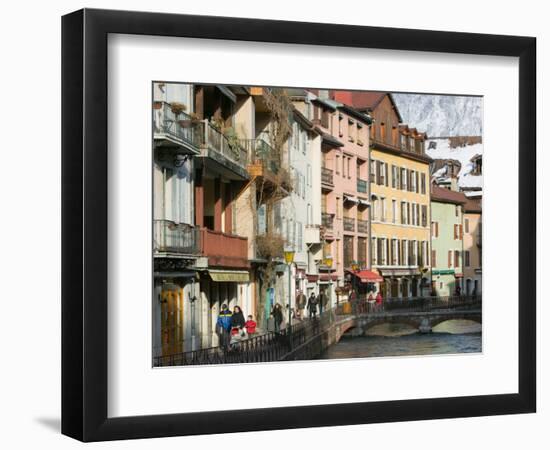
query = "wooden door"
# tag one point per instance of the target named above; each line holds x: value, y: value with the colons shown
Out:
x: 172, y: 321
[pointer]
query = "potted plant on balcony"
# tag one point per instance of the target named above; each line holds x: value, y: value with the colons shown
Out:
x: 233, y: 141
x: 177, y: 108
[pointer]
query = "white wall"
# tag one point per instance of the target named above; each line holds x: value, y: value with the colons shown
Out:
x: 35, y: 55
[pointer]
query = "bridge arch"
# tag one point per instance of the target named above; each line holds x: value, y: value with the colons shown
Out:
x: 437, y: 320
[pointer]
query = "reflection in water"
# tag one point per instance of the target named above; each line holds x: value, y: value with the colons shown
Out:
x: 456, y: 336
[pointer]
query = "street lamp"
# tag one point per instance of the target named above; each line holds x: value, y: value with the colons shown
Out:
x: 289, y: 259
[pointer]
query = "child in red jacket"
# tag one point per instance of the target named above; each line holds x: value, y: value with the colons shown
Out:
x: 250, y: 326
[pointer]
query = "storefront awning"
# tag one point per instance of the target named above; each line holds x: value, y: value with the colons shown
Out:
x: 350, y: 198
x: 362, y: 201
x: 235, y: 276
x: 368, y: 276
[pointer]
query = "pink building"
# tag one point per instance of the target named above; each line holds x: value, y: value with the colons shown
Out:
x: 345, y: 189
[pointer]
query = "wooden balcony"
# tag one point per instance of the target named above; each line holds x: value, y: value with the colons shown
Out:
x: 224, y: 250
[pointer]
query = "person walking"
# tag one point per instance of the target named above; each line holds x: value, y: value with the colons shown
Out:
x: 312, y: 305
x: 237, y: 319
x: 301, y: 302
x: 223, y: 326
x: 379, y: 301
x: 277, y: 317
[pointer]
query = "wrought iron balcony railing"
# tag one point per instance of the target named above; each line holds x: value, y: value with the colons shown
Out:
x: 327, y: 176
x: 170, y: 237
x: 362, y: 226
x: 327, y: 220
x: 177, y: 125
x: 349, y: 224
x: 230, y: 148
x: 260, y: 152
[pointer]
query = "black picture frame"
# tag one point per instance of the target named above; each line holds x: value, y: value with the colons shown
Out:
x: 84, y: 224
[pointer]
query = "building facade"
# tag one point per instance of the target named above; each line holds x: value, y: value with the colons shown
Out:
x: 472, y: 246
x: 344, y: 193
x: 447, y: 241
x: 399, y: 195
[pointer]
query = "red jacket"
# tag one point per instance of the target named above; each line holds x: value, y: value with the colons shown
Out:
x: 379, y: 299
x: 250, y: 326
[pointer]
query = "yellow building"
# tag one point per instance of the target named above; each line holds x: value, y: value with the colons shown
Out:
x: 400, y: 200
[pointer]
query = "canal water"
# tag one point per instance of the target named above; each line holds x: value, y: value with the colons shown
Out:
x: 456, y: 336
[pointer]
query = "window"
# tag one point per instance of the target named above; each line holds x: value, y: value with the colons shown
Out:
x: 467, y: 225
x: 349, y: 167
x: 417, y: 215
x: 403, y: 213
x: 374, y: 254
x: 435, y: 229
x: 394, y: 176
x: 340, y: 128
x: 337, y: 164
x: 413, y: 181
x: 467, y: 258
x: 387, y: 175
x: 457, y: 258
x: 339, y: 206
x: 434, y: 258
x: 383, y: 209
x: 403, y: 142
x: 379, y: 174
x: 423, y: 183
x: 404, y: 179
x: 394, y: 211
x: 373, y: 170
x: 408, y: 213
x: 382, y: 173
x: 344, y: 165
x: 424, y: 215
x: 417, y: 188
x: 394, y: 252
x: 457, y: 210
x: 374, y: 208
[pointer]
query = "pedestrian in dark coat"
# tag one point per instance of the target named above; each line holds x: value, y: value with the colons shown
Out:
x: 312, y: 305
x: 223, y: 325
x: 237, y: 319
x: 277, y: 317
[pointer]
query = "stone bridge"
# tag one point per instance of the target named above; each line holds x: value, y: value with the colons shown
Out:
x: 424, y: 322
x: 422, y: 315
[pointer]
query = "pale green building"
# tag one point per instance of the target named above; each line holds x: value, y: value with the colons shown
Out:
x: 447, y: 208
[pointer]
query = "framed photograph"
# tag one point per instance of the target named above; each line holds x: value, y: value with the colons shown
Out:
x: 332, y: 224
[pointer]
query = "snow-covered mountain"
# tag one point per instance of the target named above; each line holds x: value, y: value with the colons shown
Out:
x: 442, y: 115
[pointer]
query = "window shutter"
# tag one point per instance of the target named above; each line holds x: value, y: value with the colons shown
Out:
x: 387, y: 175
x: 378, y: 171
x: 450, y: 258
x: 461, y: 231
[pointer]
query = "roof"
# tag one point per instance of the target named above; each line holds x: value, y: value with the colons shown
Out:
x: 439, y: 194
x: 363, y: 117
x: 366, y: 100
x: 473, y: 205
